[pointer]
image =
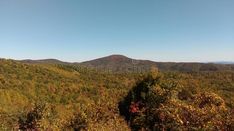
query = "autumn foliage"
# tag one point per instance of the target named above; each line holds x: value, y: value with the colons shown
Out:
x: 70, y: 97
x: 153, y: 105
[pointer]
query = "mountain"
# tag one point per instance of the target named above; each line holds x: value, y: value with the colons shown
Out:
x: 66, y: 97
x: 121, y: 63
x: 224, y: 62
x: 44, y: 61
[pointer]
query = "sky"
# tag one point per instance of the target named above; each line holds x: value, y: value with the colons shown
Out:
x: 80, y: 30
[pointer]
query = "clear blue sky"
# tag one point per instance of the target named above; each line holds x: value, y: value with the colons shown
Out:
x: 78, y: 30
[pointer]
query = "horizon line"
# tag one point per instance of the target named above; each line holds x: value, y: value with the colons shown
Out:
x: 72, y: 61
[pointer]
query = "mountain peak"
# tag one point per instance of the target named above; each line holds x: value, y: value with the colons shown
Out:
x: 119, y: 63
x: 112, y: 59
x: 115, y: 57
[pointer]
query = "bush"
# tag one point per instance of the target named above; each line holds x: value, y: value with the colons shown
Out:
x: 31, y: 121
x: 78, y: 122
x: 153, y: 105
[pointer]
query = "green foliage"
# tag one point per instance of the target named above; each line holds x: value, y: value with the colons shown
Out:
x: 78, y: 122
x: 31, y: 120
x: 79, y: 98
x: 163, y: 103
x: 73, y: 95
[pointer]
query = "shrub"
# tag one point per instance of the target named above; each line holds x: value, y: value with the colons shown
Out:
x: 78, y: 122
x: 153, y: 105
x: 31, y: 121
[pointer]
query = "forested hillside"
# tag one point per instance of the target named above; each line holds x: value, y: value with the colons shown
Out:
x: 119, y: 63
x: 123, y: 64
x: 58, y: 96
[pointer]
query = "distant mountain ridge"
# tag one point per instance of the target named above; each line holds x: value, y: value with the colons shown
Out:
x: 46, y: 61
x: 121, y: 63
x: 224, y: 62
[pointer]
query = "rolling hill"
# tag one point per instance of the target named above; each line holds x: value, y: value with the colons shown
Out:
x: 47, y: 95
x: 120, y: 63
x: 44, y: 61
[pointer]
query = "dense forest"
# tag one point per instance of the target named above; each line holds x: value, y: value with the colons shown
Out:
x: 61, y: 96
